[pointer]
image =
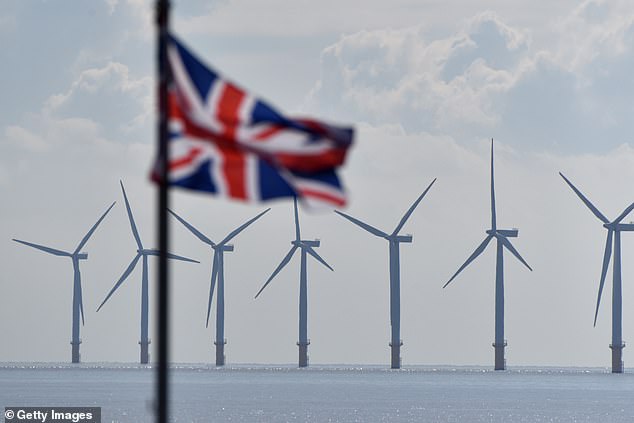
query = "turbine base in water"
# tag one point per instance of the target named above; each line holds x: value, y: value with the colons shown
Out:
x: 220, y: 353
x: 303, y: 353
x: 617, y: 358
x: 396, y: 354
x: 145, y: 351
x: 75, y: 355
x: 500, y: 361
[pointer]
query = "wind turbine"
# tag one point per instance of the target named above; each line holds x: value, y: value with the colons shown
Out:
x: 141, y: 253
x: 614, y: 234
x: 78, y: 304
x: 306, y: 247
x: 501, y: 236
x: 394, y: 240
x: 217, y: 272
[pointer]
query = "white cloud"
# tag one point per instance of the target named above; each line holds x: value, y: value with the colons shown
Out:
x: 108, y: 94
x: 392, y: 76
x: 142, y: 11
x: 488, y: 80
x: 595, y: 29
x: 24, y: 139
x: 112, y: 5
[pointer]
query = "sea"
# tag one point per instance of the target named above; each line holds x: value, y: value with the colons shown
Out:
x: 261, y: 393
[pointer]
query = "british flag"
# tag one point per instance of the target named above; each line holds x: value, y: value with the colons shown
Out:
x: 225, y: 141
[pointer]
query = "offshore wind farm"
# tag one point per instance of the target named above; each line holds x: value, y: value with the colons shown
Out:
x: 350, y: 378
x: 307, y: 247
x: 240, y: 106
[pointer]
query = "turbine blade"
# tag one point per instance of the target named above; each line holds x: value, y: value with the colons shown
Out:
x: 472, y: 257
x: 493, y: 216
x: 372, y: 230
x: 411, y: 209
x: 192, y: 229
x: 94, y: 227
x: 587, y: 202
x: 214, y: 274
x: 131, y: 218
x: 45, y: 249
x: 512, y: 249
x: 241, y: 228
x: 297, y: 234
x: 604, y: 270
x: 170, y: 255
x: 181, y: 258
x: 313, y: 253
x: 283, y: 263
x: 625, y: 213
x: 123, y: 277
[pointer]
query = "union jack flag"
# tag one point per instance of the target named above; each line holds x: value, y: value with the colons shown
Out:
x: 225, y: 141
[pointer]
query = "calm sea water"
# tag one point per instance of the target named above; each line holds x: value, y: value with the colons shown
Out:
x: 328, y: 393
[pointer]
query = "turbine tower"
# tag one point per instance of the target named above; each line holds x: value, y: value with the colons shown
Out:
x: 501, y: 236
x: 141, y: 253
x: 614, y: 235
x: 394, y: 240
x: 306, y: 247
x: 217, y: 272
x: 78, y: 304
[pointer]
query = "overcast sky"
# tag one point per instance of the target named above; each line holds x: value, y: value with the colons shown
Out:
x: 426, y: 83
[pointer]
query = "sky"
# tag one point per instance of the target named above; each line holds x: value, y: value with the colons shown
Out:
x: 426, y: 84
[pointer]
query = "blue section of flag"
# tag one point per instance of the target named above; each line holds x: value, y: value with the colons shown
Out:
x: 199, y: 180
x: 272, y: 185
x: 264, y: 113
x: 202, y: 77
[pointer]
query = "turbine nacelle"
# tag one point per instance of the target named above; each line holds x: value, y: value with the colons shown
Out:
x: 223, y: 247
x: 508, y: 233
x: 306, y: 243
x: 401, y: 238
x: 82, y: 256
x: 621, y: 227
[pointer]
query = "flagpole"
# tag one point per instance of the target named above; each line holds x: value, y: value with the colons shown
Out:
x: 162, y: 381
